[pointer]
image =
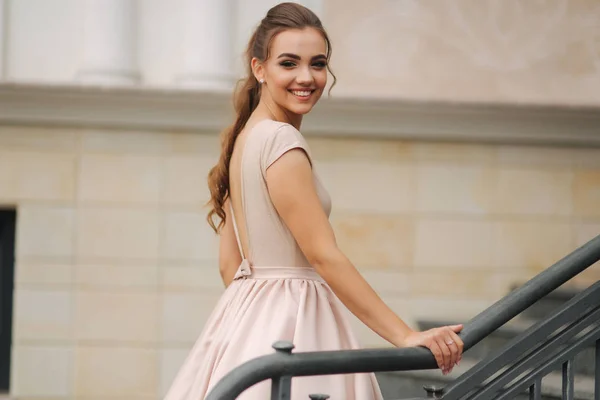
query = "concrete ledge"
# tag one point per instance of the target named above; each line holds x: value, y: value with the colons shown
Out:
x: 174, y: 109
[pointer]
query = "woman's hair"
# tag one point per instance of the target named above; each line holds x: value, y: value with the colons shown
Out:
x: 282, y: 17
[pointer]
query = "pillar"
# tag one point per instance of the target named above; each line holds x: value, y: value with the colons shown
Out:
x: 206, y: 61
x: 110, y: 54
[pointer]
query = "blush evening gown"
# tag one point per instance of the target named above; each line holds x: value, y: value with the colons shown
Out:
x: 275, y: 294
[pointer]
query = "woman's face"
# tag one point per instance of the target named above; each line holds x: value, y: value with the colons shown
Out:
x: 295, y: 73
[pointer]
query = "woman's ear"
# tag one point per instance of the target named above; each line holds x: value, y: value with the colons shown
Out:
x: 258, y: 69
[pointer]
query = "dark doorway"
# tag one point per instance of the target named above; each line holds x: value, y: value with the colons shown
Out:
x: 7, y: 268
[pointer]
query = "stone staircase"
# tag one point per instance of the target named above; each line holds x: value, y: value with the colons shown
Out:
x: 409, y: 384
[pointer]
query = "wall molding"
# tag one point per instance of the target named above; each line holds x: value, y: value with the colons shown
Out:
x: 176, y: 109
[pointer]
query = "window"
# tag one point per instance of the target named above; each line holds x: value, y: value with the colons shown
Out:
x: 7, y: 267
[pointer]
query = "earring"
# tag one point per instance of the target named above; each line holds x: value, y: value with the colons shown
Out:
x: 261, y: 81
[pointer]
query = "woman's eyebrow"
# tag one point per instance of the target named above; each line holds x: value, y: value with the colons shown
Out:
x: 297, y: 57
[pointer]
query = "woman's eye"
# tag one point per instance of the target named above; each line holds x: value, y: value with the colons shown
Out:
x: 287, y: 64
x: 320, y: 64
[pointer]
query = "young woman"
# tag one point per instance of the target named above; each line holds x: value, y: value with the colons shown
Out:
x: 286, y: 278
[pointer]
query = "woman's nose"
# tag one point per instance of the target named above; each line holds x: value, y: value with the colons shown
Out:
x: 304, y: 76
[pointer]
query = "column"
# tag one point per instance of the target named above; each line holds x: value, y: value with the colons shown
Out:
x: 110, y: 53
x: 2, y: 36
x: 206, y: 61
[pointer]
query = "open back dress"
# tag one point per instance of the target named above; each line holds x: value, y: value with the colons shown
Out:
x: 275, y: 295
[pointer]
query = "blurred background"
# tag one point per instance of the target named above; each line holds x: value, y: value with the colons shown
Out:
x: 461, y: 147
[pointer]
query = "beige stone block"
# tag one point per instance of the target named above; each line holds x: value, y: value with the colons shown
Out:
x: 191, y: 278
x: 464, y: 283
x: 584, y: 232
x: 117, y: 316
x: 184, y: 315
x: 37, y: 176
x: 375, y: 241
x: 124, y: 233
x: 42, y: 372
x: 43, y: 314
x: 171, y: 361
x: 586, y: 193
x: 45, y: 231
x: 43, y: 273
x: 388, y: 282
x: 530, y: 192
x: 189, y: 237
x: 455, y: 188
x: 203, y: 143
x: 31, y: 138
x: 368, y: 187
x: 349, y: 150
x: 447, y: 310
x: 537, y: 156
x: 111, y: 276
x: 186, y: 180
x: 531, y: 246
x: 455, y: 152
x: 120, y: 178
x: 109, y: 372
x: 587, y: 158
x: 454, y: 243
x: 129, y: 142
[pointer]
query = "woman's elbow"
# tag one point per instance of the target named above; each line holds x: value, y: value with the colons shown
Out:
x: 325, y: 259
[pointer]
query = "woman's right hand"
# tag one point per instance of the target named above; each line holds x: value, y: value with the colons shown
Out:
x: 444, y: 343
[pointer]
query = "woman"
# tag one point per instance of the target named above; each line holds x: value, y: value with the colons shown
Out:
x: 278, y: 256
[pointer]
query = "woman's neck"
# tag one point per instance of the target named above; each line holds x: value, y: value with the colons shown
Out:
x: 272, y: 111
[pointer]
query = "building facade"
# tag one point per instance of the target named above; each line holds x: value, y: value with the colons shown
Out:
x: 461, y: 147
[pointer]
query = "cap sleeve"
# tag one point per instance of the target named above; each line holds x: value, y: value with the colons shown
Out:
x: 284, y: 139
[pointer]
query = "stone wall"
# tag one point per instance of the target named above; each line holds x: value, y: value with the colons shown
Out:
x: 116, y: 269
x: 474, y: 50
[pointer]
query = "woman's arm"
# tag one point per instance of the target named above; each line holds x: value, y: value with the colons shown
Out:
x: 229, y: 253
x: 291, y: 187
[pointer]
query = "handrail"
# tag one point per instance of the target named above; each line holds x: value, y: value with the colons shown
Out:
x: 539, y: 340
x: 378, y: 360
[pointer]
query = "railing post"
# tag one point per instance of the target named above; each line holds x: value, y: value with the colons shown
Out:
x: 281, y: 387
x: 597, y: 372
x: 433, y: 391
x: 568, y: 383
x: 535, y: 390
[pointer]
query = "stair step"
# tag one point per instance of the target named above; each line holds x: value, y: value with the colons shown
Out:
x: 394, y: 388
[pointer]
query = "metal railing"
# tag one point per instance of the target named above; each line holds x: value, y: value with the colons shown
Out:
x: 524, y: 361
x: 560, y: 348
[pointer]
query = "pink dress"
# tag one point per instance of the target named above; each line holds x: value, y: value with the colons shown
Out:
x: 275, y: 295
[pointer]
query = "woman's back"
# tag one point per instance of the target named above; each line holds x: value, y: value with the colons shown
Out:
x: 266, y: 240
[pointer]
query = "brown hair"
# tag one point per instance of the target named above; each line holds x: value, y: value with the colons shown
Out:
x: 281, y: 17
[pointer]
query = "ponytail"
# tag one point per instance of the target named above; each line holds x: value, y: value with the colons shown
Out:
x: 245, y: 102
